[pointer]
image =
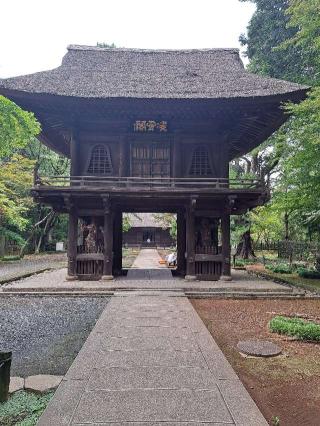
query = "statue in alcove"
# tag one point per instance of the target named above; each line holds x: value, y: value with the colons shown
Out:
x: 90, y: 241
x: 207, y: 233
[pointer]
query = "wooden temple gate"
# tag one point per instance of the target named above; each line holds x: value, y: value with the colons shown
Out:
x: 95, y: 234
x: 95, y: 245
x: 151, y: 131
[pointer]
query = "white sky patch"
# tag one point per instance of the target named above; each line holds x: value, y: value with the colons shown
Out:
x: 34, y: 34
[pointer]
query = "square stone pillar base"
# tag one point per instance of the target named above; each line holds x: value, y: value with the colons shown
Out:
x: 226, y: 278
x: 71, y: 278
x: 190, y: 278
x: 107, y: 278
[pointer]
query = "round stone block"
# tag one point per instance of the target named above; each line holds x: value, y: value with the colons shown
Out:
x: 261, y: 348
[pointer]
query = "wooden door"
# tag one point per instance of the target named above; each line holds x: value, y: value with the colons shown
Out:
x: 150, y: 159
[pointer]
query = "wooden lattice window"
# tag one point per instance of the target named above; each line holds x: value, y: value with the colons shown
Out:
x: 100, y: 161
x: 200, y: 163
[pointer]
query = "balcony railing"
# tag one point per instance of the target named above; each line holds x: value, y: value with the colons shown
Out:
x: 151, y: 183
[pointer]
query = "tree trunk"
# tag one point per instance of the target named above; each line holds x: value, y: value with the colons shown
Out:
x: 286, y: 224
x: 245, y: 249
x: 45, y: 230
x: 317, y: 263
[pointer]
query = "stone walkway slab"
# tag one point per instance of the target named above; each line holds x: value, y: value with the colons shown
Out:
x: 151, y: 361
x: 55, y: 283
x: 148, y: 259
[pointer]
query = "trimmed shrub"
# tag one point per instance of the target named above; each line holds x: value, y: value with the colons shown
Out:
x: 309, y: 273
x: 240, y: 263
x: 296, y: 327
x: 10, y: 258
x: 281, y: 268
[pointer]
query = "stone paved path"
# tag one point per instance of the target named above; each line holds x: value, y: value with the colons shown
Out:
x: 148, y: 259
x: 140, y: 279
x: 151, y: 361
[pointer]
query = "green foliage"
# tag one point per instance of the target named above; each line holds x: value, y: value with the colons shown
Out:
x: 307, y: 273
x: 17, y: 127
x: 126, y: 224
x: 15, y: 183
x: 304, y: 18
x: 275, y: 421
x: 296, y: 327
x: 267, y: 224
x: 167, y: 220
x: 10, y: 258
x: 283, y: 41
x: 268, y: 28
x: 280, y: 268
x: 23, y: 408
x: 301, y: 165
x: 241, y: 263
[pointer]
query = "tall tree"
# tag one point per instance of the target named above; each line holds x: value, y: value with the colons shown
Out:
x: 17, y: 129
x: 283, y: 42
x: 267, y: 29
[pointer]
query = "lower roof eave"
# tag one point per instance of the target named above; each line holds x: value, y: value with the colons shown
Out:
x: 237, y: 201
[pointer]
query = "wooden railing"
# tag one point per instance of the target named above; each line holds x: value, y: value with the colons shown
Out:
x: 148, y: 183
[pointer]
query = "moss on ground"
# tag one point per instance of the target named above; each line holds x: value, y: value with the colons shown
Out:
x: 282, y: 367
x: 292, y: 279
x: 23, y: 408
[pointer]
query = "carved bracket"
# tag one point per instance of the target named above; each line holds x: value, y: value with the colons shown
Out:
x: 68, y: 202
x: 106, y: 201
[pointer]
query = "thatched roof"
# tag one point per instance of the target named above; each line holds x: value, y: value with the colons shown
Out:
x: 146, y: 220
x: 93, y: 72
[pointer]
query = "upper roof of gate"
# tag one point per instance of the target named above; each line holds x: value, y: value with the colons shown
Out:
x: 94, y: 72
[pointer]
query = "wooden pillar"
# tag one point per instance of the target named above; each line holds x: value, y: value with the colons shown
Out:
x: 74, y: 157
x: 226, y: 247
x: 176, y: 158
x: 181, y: 243
x: 72, y: 244
x: 122, y: 158
x: 190, y: 241
x: 117, y: 243
x: 108, y: 240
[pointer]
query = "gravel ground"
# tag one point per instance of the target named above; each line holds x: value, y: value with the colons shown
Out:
x: 31, y: 264
x: 46, y: 333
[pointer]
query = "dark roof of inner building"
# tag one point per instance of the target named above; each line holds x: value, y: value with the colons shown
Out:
x: 93, y: 72
x: 148, y: 220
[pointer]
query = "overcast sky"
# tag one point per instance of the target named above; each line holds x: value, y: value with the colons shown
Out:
x: 34, y: 33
